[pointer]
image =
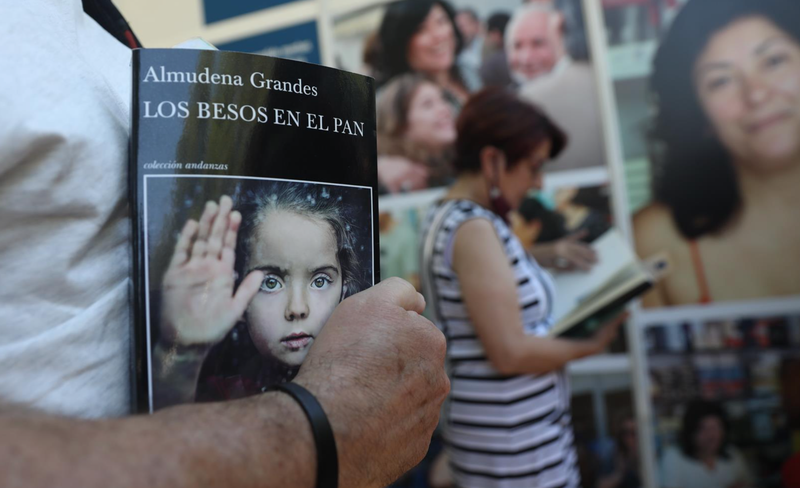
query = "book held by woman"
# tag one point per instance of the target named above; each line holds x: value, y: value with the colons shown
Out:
x: 586, y: 300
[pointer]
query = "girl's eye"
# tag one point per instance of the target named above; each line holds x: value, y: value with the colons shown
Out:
x: 271, y: 284
x: 321, y: 282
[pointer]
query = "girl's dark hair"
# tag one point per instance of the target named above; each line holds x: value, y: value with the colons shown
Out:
x: 695, y: 413
x: 400, y: 22
x: 693, y: 173
x: 497, y: 117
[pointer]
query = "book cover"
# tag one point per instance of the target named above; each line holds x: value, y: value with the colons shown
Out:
x: 253, y: 186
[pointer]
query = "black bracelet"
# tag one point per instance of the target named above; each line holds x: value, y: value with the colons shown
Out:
x: 327, y: 459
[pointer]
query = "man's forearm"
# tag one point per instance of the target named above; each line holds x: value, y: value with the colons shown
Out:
x: 262, y: 441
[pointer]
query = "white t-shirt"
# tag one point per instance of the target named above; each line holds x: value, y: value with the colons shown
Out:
x: 679, y: 471
x: 64, y: 245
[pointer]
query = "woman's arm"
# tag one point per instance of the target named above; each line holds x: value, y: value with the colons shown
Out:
x: 653, y: 233
x: 399, y: 174
x: 490, y: 296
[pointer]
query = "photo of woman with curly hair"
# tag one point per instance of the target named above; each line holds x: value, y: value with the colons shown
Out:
x: 725, y: 154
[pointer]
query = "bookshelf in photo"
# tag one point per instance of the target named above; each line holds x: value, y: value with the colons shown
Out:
x: 749, y: 365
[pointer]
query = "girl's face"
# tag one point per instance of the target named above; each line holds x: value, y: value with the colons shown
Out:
x: 302, y: 284
x: 432, y: 48
x: 430, y: 118
x: 748, y: 83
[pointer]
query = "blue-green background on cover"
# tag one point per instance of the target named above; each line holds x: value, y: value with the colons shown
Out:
x: 216, y: 10
x: 261, y: 43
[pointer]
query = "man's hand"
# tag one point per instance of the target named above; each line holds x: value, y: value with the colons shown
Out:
x: 199, y: 306
x: 377, y: 368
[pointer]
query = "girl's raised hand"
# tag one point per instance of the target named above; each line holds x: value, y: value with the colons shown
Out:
x: 198, y: 304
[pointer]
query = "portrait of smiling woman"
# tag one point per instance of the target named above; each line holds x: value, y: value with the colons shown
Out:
x: 725, y: 147
x: 279, y: 264
x: 421, y: 36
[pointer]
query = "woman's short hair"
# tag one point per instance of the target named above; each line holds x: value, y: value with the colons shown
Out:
x: 309, y: 200
x: 696, y: 412
x: 401, y: 21
x: 693, y: 173
x: 498, y: 117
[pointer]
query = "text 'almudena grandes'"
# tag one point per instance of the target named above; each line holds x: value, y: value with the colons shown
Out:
x: 256, y: 80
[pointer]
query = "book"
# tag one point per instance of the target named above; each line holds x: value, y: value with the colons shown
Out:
x: 253, y: 186
x: 585, y: 300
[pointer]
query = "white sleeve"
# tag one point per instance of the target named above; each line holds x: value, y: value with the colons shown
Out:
x: 671, y: 469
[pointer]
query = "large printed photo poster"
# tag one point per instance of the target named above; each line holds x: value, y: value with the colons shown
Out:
x: 711, y: 152
x: 706, y: 96
x: 427, y: 58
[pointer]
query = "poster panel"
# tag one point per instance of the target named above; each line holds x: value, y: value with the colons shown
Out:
x: 427, y: 58
x: 711, y: 155
x: 725, y: 403
x: 538, y: 49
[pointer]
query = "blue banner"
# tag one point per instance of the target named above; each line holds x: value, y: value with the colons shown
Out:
x: 217, y: 10
x: 298, y: 42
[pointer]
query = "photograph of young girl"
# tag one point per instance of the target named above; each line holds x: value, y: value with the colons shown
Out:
x: 250, y: 282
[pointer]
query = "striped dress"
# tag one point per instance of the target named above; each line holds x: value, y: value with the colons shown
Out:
x: 500, y: 431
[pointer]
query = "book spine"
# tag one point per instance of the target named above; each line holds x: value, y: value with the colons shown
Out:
x: 139, y: 389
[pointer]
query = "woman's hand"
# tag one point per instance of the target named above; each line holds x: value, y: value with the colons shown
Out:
x: 399, y: 174
x: 199, y: 306
x: 566, y: 254
x: 440, y: 475
x: 606, y: 333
